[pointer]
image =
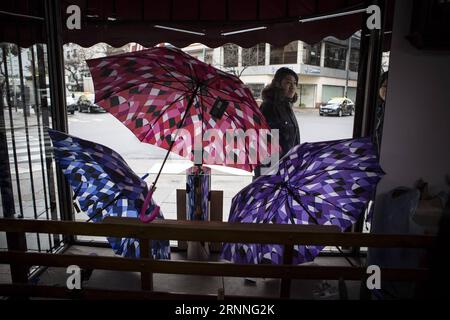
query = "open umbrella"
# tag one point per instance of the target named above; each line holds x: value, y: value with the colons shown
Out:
x: 172, y: 100
x: 326, y: 183
x: 156, y: 91
x: 105, y: 185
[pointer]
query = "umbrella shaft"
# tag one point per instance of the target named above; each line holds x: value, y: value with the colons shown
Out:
x: 190, y: 102
x: 99, y: 211
x: 316, y: 222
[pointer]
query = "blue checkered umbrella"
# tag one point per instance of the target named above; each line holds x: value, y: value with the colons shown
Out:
x: 104, y: 185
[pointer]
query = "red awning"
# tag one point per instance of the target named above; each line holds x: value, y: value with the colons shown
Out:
x: 211, y: 22
x: 22, y: 22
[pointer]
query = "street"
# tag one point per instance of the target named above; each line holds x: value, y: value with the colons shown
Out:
x: 105, y: 129
x: 315, y: 128
x: 144, y: 158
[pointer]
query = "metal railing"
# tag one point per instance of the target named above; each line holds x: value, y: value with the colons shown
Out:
x: 28, y: 185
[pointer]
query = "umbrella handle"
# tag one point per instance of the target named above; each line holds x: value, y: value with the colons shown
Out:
x: 142, y: 216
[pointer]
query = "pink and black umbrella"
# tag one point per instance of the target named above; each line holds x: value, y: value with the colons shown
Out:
x: 157, y: 92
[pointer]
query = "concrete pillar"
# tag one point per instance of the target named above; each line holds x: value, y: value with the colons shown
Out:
x: 299, y: 52
x: 239, y: 57
x: 322, y: 54
x: 319, y: 92
x: 203, y: 54
x: 218, y: 57
x: 267, y: 62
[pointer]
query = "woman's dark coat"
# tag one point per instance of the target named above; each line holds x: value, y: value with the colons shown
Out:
x: 280, y: 115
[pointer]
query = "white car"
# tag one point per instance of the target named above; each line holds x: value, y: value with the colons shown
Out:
x: 71, y: 102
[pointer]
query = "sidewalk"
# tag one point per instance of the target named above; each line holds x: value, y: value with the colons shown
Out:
x: 19, y: 119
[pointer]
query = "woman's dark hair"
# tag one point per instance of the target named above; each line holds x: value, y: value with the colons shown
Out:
x: 274, y: 91
x: 284, y: 72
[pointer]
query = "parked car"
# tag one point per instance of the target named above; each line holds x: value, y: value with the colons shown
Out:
x: 71, y: 108
x: 337, y: 106
x: 85, y: 104
x: 71, y: 103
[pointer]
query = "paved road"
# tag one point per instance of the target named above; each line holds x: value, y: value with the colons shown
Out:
x: 316, y: 128
x: 105, y: 129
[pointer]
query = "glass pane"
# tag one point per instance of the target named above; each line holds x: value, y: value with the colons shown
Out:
x: 314, y: 87
x: 209, y: 56
x: 329, y: 92
x: 230, y: 55
x: 307, y: 96
x: 261, y: 54
x: 351, y: 93
x: 311, y: 54
x: 335, y: 56
x: 276, y: 55
x: 354, y: 59
x: 254, y: 56
x: 284, y: 55
x: 290, y: 52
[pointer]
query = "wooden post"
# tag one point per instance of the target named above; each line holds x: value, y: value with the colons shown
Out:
x: 181, y: 213
x: 285, y: 290
x: 146, y: 277
x: 216, y: 213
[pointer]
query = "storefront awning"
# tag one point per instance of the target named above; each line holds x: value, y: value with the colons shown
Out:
x: 182, y: 22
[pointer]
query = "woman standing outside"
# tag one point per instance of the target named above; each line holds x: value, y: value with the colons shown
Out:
x: 278, y: 99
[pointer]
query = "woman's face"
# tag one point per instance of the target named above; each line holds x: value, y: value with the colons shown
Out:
x: 383, y: 89
x: 288, y: 85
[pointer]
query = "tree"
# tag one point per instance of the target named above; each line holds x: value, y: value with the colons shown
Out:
x: 75, y: 59
x: 7, y: 50
x: 253, y: 56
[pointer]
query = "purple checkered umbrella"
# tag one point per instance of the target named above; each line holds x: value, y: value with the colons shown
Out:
x: 326, y: 183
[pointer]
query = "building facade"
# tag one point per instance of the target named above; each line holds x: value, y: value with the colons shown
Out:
x: 327, y: 69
